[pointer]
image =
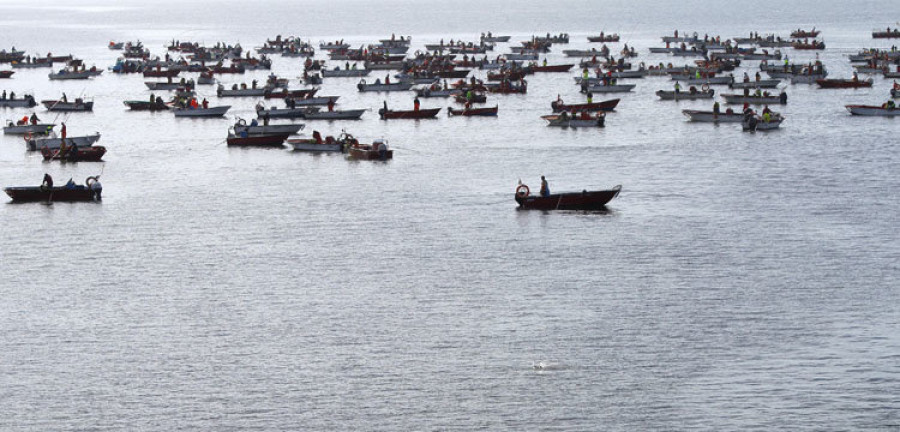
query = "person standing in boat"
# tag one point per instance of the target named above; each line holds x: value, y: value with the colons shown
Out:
x: 34, y: 119
x: 545, y: 187
x: 416, y: 104
x: 716, y: 109
x: 47, y: 184
x: 330, y: 104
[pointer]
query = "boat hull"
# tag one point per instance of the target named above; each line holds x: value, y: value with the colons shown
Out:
x: 272, y: 140
x: 36, y: 144
x: 671, y: 95
x: 585, y: 200
x: 872, y: 111
x: 710, y: 117
x: 39, y: 194
x: 218, y: 111
x: 420, y: 114
x: 608, y: 105
x: 335, y: 115
x: 486, y: 112
x: 84, y: 154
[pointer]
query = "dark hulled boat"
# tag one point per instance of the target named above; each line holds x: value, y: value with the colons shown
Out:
x: 584, y: 200
x: 265, y: 140
x: 468, y: 112
x: 412, y: 114
x: 79, y: 154
x: 608, y: 105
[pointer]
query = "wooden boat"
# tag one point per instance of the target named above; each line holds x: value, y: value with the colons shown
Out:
x: 753, y: 123
x: 218, y: 111
x: 584, y: 200
x: 77, y: 105
x: 872, y: 110
x: 161, y: 73
x: 261, y: 140
x: 768, y: 83
x: 378, y: 150
x: 607, y: 105
x: 378, y: 86
x: 6, y: 73
x: 805, y: 79
x: 889, y: 34
x: 814, y: 45
x: 64, y: 74
x: 552, y: 68
x: 241, y: 127
x: 805, y: 34
x: 335, y: 115
x: 564, y: 120
x: 26, y: 101
x: 468, y: 112
x: 295, y: 94
x: 711, y: 117
x: 604, y: 38
x: 298, y: 112
x: 53, y: 142
x: 25, y: 129
x: 753, y: 99
x: 344, y: 73
x: 612, y: 88
x: 136, y: 105
x: 78, y: 193
x: 685, y: 95
x: 386, y: 114
x: 313, y: 145
x: 843, y: 83
x: 75, y: 154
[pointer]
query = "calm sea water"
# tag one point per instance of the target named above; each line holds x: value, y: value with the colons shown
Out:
x: 739, y: 282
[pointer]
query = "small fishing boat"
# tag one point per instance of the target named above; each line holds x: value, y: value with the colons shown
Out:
x: 221, y: 91
x: 6, y: 73
x: 53, y: 142
x: 143, y: 105
x: 607, y: 105
x: 753, y: 122
x: 872, y: 110
x: 90, y: 191
x: 297, y: 112
x: 317, y: 144
x: 260, y: 140
x: 386, y: 114
x: 335, y: 115
x: 693, y: 80
x: 585, y: 119
x: 25, y: 129
x: 218, y: 111
x: 607, y: 88
x: 712, y: 117
x: 344, y: 73
x: 830, y: 83
x: 64, y: 74
x: 888, y: 34
x: 584, y: 200
x: 61, y: 105
x: 495, y: 39
x: 767, y: 83
x: 604, y: 38
x: 469, y: 112
x: 378, y: 150
x: 75, y: 154
x: 26, y: 101
x: 552, y: 68
x: 378, y: 86
x: 685, y: 95
x: 187, y: 85
x: 241, y: 127
x: 754, y: 99
x: 807, y: 34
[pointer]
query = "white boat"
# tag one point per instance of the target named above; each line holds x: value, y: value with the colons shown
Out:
x: 34, y: 129
x: 711, y: 117
x: 805, y: 79
x: 299, y: 112
x: 769, y: 83
x: 522, y: 57
x: 754, y: 123
x: 77, y: 105
x: 583, y: 53
x: 564, y: 120
x: 754, y: 99
x: 612, y: 88
x: 663, y: 50
x: 33, y: 65
x: 693, y: 80
x: 221, y: 91
x: 241, y: 126
x: 335, y: 115
x: 378, y: 86
x: 53, y: 142
x: 343, y: 73
x: 494, y: 39
x: 27, y: 101
x: 167, y: 85
x: 313, y: 101
x: 872, y: 110
x: 428, y: 92
x: 685, y: 95
x: 69, y: 75
x: 218, y: 111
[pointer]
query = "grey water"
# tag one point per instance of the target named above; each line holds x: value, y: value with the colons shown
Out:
x: 741, y: 281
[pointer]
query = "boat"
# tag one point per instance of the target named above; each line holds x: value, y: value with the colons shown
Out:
x: 607, y: 105
x: 261, y: 140
x: 26, y: 101
x: 753, y: 122
x: 805, y: 34
x: 25, y: 129
x: 378, y: 86
x: 60, y: 105
x: 495, y: 39
x: 75, y: 154
x: 552, y: 68
x: 218, y: 111
x: 187, y: 85
x: 335, y: 115
x: 6, y: 73
x: 343, y: 73
x: 753, y: 99
x: 221, y: 91
x: 767, y: 83
x: 585, y: 119
x: 711, y: 117
x: 386, y: 114
x: 872, y: 110
x: 604, y: 38
x: 317, y: 144
x: 297, y: 112
x: 584, y: 200
x: 90, y: 191
x: 688, y: 95
x: 693, y: 80
x: 378, y: 150
x: 64, y: 74
x: 241, y: 127
x: 812, y: 45
x: 53, y: 142
x: 611, y: 88
x: 142, y: 105
x: 468, y: 112
x: 843, y: 83
x: 889, y: 34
